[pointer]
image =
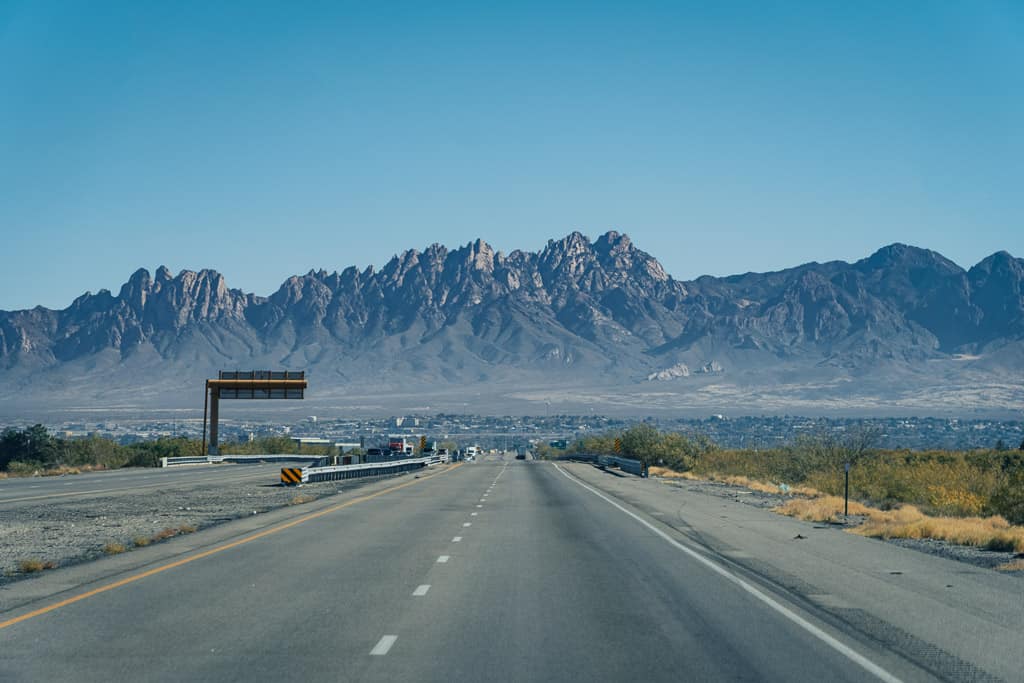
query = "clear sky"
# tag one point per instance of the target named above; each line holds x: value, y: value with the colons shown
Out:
x: 266, y: 139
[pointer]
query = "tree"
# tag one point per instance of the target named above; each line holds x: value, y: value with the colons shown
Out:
x: 13, y: 446
x: 860, y: 442
x: 640, y: 443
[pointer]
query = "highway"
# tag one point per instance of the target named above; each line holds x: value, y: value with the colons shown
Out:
x: 34, y: 490
x: 499, y: 570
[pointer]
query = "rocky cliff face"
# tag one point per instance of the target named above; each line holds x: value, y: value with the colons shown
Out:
x: 603, y: 308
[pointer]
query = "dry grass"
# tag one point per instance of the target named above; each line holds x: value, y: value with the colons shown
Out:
x: 31, y: 565
x: 1012, y: 566
x: 60, y: 471
x: 113, y: 548
x: 740, y: 480
x: 821, y: 509
x: 666, y: 473
x: 754, y: 485
x: 167, y: 532
x: 301, y: 498
x: 734, y: 480
x: 991, y: 533
x: 141, y: 541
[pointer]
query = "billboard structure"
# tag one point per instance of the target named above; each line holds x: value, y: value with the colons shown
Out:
x: 247, y: 384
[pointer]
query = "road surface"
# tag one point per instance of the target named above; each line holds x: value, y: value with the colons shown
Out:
x: 488, y: 571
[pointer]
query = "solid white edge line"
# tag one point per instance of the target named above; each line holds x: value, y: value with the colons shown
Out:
x: 836, y: 645
x: 383, y: 645
x: 421, y: 590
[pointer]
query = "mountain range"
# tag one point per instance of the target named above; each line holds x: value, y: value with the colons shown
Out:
x: 579, y: 323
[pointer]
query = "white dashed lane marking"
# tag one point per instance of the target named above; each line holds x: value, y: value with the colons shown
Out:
x: 421, y: 590
x: 457, y: 539
x: 443, y: 558
x: 383, y: 645
x: 467, y: 524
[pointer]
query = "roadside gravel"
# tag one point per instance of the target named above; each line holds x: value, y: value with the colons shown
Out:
x: 65, y: 533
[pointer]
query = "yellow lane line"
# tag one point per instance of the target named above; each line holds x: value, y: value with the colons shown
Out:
x: 212, y: 551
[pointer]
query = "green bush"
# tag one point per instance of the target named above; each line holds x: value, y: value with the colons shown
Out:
x: 1008, y: 500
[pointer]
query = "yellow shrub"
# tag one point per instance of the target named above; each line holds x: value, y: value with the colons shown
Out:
x: 822, y: 509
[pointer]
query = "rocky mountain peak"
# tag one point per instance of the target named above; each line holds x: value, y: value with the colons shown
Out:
x: 604, y: 305
x: 903, y: 256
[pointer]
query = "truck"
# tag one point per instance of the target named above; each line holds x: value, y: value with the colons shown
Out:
x: 401, y: 445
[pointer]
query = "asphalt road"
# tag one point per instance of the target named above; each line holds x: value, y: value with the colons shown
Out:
x: 488, y: 571
x: 18, y: 491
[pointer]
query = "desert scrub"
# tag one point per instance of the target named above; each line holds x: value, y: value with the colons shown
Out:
x: 32, y: 565
x: 821, y: 509
x: 991, y: 533
x: 113, y: 548
x: 907, y: 521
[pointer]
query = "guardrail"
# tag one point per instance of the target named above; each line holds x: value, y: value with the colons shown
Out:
x: 171, y: 462
x: 579, y: 457
x: 306, y: 475
x: 203, y: 460
x: 625, y: 464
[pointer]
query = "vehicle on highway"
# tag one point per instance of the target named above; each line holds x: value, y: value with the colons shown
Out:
x: 520, y: 456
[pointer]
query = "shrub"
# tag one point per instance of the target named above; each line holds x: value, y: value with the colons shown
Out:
x: 1008, y: 499
x: 31, y: 565
x: 23, y: 469
x: 113, y: 548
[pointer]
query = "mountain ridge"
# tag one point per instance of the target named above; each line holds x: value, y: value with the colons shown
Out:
x: 574, y: 311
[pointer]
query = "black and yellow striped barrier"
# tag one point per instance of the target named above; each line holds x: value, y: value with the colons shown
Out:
x: 291, y: 475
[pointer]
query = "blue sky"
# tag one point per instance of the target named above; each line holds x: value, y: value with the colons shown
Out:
x: 267, y: 139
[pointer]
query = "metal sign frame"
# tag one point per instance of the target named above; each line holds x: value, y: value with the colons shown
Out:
x: 247, y: 384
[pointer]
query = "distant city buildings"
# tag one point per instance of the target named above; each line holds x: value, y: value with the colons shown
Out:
x: 509, y: 432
